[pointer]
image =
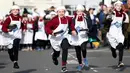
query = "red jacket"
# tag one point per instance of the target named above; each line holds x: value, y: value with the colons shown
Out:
x: 8, y: 21
x: 53, y: 24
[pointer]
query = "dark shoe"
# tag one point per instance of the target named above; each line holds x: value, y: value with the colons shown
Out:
x: 64, y: 69
x: 16, y: 66
x: 55, y: 60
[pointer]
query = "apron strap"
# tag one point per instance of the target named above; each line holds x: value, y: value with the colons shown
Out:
x: 10, y: 18
x: 60, y: 20
x: 84, y: 20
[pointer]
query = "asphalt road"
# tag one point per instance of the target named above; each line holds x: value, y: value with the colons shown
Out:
x: 100, y: 61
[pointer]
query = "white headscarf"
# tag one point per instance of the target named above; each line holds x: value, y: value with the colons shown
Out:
x: 60, y: 8
x: 80, y: 7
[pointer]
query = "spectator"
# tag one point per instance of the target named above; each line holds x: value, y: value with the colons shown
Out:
x: 128, y: 29
x: 102, y: 17
x: 93, y: 30
x: 41, y: 37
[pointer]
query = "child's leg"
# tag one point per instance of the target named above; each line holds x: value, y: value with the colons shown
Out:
x: 84, y: 53
x: 121, y: 51
x: 78, y: 54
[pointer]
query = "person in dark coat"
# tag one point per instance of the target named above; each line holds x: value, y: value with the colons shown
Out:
x: 92, y: 25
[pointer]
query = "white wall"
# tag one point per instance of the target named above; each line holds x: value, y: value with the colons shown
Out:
x: 40, y: 4
x: 5, y: 6
x: 107, y: 2
x: 73, y: 2
x: 93, y: 3
x: 83, y: 2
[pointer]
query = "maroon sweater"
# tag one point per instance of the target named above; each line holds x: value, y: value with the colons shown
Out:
x: 54, y: 23
x: 120, y: 13
x: 8, y: 21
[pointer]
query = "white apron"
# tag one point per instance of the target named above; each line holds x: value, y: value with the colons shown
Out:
x: 82, y: 36
x: 28, y: 35
x: 57, y: 40
x: 40, y: 34
x: 10, y: 36
x: 115, y: 35
x: 22, y: 39
x: 1, y: 36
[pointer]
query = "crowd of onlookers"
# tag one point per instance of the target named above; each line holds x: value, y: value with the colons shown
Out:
x: 97, y: 35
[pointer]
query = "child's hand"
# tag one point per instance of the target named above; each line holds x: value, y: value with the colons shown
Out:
x: 74, y: 33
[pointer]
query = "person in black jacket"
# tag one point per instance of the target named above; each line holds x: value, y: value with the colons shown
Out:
x: 92, y: 21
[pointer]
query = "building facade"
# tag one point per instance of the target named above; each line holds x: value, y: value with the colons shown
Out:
x: 30, y: 4
x: 44, y: 4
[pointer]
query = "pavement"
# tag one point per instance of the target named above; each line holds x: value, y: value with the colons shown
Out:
x: 100, y: 61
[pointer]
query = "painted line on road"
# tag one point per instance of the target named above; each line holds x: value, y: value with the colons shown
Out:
x: 94, y: 70
x: 103, y: 68
x: 99, y: 50
x: 72, y: 56
x: 73, y: 53
x: 126, y: 56
x: 72, y: 61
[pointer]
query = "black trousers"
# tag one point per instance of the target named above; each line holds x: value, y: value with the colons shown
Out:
x: 41, y: 43
x: 104, y: 38
x: 120, y: 48
x: 34, y: 42
x: 79, y: 50
x: 13, y: 53
x: 64, y: 45
x: 27, y: 45
x: 128, y: 41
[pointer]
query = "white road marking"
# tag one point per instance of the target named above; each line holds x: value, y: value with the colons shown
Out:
x: 99, y: 50
x: 47, y: 69
x: 72, y: 53
x: 95, y: 70
x: 91, y: 68
x: 72, y: 62
x: 72, y: 56
x: 76, y: 60
x: 100, y: 68
x: 126, y: 56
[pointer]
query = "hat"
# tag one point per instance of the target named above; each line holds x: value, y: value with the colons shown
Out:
x: 60, y: 8
x: 25, y: 11
x: 91, y: 8
x: 1, y: 17
x: 118, y: 2
x: 15, y: 7
x: 80, y: 7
